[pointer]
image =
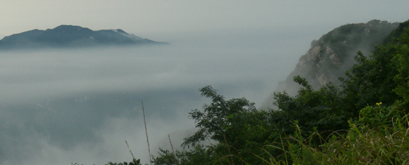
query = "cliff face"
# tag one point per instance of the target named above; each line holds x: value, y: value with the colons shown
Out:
x: 69, y: 36
x: 331, y: 55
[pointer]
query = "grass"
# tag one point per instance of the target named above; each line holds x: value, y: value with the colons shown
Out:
x: 360, y: 145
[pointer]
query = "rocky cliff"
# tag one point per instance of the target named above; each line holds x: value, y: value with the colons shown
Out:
x: 330, y: 56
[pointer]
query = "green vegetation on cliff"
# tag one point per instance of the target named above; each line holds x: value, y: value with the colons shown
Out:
x: 361, y: 121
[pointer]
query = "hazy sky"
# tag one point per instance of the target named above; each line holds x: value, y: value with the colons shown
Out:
x: 137, y: 16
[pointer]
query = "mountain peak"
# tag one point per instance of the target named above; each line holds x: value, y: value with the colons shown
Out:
x: 69, y: 28
x: 65, y: 36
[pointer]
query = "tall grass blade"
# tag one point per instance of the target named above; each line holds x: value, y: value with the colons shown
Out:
x: 147, y: 137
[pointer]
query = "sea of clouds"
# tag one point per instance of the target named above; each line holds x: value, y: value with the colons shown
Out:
x: 66, y: 106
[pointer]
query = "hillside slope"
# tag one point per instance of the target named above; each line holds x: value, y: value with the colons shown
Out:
x: 331, y: 55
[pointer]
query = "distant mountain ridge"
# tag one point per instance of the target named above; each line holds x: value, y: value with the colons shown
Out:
x: 65, y: 36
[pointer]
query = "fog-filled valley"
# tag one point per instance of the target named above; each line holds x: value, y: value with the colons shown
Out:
x: 63, y: 106
x: 74, y: 74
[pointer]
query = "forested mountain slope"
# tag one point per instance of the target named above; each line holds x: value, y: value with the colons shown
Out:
x: 331, y: 55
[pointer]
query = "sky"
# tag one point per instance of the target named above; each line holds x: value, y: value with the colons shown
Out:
x: 67, y: 106
x: 139, y: 17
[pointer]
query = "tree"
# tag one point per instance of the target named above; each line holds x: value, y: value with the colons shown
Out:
x: 215, y: 122
x: 235, y: 126
x: 401, y: 61
x: 312, y: 109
